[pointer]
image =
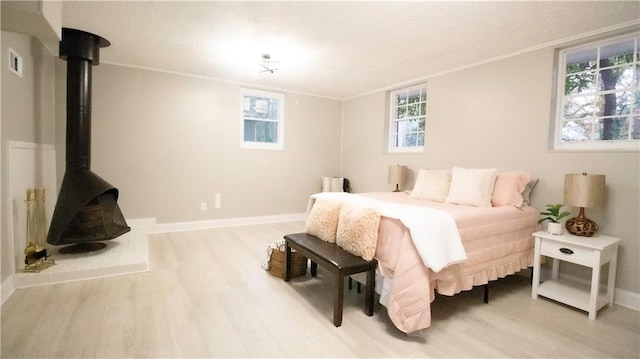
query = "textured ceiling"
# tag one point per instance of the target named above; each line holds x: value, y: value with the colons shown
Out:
x: 333, y: 49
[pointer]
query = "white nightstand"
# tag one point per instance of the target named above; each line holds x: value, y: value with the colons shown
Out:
x: 591, y: 252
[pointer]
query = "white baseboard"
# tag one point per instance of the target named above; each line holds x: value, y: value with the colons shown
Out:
x: 627, y: 299
x: 146, y: 223
x: 7, y: 288
x: 225, y: 222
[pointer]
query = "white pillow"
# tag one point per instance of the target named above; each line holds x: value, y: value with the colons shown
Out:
x: 472, y: 187
x: 432, y: 185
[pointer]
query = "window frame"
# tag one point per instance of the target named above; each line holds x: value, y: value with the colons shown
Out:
x: 392, y: 119
x: 255, y: 145
x: 559, y: 98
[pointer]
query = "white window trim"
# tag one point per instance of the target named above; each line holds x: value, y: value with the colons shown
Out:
x: 390, y: 140
x: 278, y: 146
x: 558, y: 103
x: 412, y: 149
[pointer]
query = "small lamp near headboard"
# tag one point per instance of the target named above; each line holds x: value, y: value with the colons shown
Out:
x: 583, y: 190
x: 397, y: 176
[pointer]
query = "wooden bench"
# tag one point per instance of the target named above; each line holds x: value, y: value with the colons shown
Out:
x: 337, y: 261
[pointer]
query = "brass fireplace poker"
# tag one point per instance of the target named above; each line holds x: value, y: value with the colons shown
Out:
x: 36, y: 258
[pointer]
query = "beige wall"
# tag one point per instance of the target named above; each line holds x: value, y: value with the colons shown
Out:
x: 27, y: 115
x: 169, y: 142
x: 497, y: 115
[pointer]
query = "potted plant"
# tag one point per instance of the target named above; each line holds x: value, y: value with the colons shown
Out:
x: 553, y: 215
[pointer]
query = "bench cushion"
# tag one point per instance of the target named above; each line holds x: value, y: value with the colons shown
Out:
x: 330, y: 252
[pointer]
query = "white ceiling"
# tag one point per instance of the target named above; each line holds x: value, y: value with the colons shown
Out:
x: 334, y: 49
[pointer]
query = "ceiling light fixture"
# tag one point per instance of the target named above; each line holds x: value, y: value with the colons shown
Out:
x: 267, y: 65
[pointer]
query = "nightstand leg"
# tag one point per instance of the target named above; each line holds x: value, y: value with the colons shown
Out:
x: 536, y: 270
x: 595, y: 288
x: 555, y: 268
x: 611, y: 282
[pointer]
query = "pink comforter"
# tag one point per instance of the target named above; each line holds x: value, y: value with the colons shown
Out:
x: 497, y: 241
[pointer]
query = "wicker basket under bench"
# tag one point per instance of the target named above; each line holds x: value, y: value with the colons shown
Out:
x: 277, y: 259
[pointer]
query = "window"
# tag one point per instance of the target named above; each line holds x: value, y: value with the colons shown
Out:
x: 408, y: 109
x: 262, y: 120
x: 598, y: 102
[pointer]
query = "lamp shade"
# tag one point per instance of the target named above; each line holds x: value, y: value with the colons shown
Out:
x: 583, y: 190
x: 397, y: 174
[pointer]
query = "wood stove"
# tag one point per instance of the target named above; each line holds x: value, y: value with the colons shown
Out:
x: 86, y: 210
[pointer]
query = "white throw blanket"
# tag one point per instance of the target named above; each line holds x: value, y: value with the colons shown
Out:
x: 434, y: 232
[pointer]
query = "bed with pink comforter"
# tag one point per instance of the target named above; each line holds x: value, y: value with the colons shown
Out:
x: 497, y: 242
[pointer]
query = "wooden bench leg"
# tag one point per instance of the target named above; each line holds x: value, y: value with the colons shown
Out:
x: 338, y: 300
x: 287, y: 262
x: 314, y: 268
x: 368, y: 301
x: 486, y: 293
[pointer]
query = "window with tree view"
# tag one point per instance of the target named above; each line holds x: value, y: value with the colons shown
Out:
x: 262, y: 120
x: 407, y: 119
x: 599, y: 103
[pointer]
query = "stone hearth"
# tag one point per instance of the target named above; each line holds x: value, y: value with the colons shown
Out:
x: 126, y: 254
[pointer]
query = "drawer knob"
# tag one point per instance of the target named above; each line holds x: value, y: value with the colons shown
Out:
x: 566, y: 251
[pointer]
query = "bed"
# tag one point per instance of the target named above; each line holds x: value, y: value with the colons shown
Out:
x: 495, y: 241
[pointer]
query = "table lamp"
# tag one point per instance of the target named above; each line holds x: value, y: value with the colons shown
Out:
x: 397, y: 175
x: 583, y: 190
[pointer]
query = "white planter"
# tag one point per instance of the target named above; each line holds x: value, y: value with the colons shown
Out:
x: 554, y: 228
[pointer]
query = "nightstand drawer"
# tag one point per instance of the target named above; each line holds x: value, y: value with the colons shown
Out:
x: 569, y: 253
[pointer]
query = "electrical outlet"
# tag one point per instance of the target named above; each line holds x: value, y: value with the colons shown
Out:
x: 15, y: 62
x: 217, y: 204
x: 203, y: 206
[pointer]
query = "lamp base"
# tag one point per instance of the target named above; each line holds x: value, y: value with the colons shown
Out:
x: 397, y: 189
x: 581, y: 225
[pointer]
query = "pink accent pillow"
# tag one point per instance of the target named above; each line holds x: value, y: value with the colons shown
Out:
x: 508, y: 189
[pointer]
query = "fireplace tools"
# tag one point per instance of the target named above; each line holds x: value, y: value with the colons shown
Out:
x: 36, y: 258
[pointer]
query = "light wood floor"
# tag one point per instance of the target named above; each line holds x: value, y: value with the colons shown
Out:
x: 207, y: 296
